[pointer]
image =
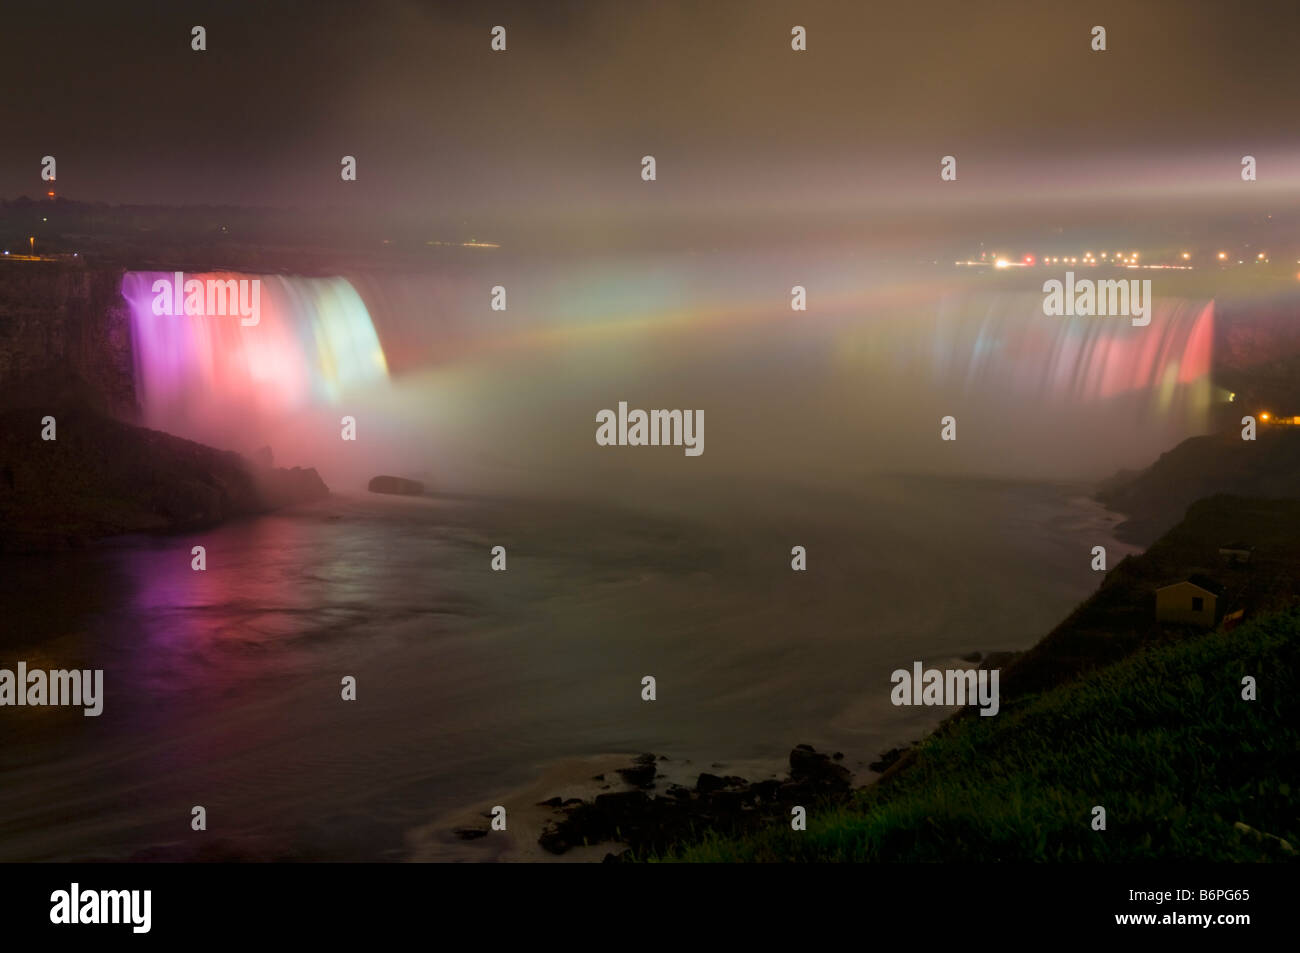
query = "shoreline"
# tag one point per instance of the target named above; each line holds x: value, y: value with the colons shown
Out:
x: 428, y: 839
x: 570, y: 784
x: 1080, y: 644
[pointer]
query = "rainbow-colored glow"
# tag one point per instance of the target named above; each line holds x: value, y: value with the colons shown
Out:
x: 314, y: 340
x: 1082, y: 358
x: 1003, y: 344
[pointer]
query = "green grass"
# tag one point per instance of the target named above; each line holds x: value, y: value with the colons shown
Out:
x: 1162, y: 740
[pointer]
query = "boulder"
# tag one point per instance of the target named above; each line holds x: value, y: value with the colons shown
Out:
x: 396, y: 485
x: 640, y: 776
x: 708, y: 783
x: 766, y: 791
x: 811, y: 767
x: 553, y: 840
x: 622, y: 802
x: 286, y: 487
x: 642, y: 773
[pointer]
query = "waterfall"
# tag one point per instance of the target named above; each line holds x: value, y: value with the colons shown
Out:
x: 1012, y: 347
x: 443, y: 384
x: 207, y: 376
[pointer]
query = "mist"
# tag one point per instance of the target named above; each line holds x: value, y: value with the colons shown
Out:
x: 445, y: 389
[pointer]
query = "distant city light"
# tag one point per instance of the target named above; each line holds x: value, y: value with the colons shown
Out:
x: 1223, y: 256
x: 1091, y: 259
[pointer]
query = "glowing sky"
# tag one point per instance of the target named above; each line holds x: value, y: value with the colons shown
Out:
x: 449, y: 134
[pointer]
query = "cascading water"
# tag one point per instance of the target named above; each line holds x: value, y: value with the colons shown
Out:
x: 477, y: 398
x: 216, y: 378
x: 1013, y: 347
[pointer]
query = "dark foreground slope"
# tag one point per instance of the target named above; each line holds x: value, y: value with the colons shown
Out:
x: 1113, y: 708
x: 1119, y: 618
x: 1185, y: 768
x: 1156, y: 498
x: 101, y: 477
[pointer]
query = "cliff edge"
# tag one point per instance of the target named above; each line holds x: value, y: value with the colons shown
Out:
x: 101, y: 477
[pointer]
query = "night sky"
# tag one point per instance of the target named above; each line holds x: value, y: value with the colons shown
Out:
x: 442, y: 126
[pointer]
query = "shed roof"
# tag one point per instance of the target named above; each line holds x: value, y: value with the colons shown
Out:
x: 1200, y: 582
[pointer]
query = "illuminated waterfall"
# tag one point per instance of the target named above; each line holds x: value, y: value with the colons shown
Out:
x: 199, y: 375
x: 442, y: 383
x: 1082, y: 360
x: 1002, y: 346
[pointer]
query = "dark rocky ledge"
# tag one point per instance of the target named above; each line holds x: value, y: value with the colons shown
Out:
x: 102, y: 477
x: 725, y: 804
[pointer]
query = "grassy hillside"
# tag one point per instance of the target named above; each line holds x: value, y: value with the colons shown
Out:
x: 1162, y: 740
x: 1119, y: 619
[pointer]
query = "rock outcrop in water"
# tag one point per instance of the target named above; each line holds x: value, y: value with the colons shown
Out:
x: 396, y: 485
x: 101, y: 477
